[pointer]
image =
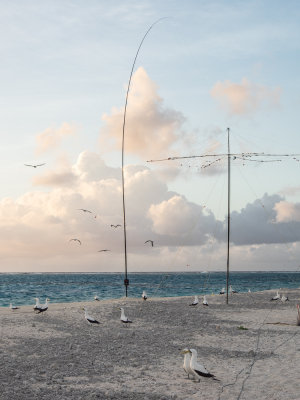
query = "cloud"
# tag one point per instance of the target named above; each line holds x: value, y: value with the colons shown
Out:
x: 51, y: 138
x: 244, y: 98
x: 287, y: 212
x: 151, y: 130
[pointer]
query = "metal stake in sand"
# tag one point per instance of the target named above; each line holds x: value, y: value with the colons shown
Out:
x: 218, y: 157
x: 126, y: 280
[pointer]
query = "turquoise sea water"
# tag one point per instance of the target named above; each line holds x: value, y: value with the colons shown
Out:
x: 21, y: 289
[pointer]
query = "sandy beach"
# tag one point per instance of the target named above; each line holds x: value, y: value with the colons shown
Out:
x: 58, y: 355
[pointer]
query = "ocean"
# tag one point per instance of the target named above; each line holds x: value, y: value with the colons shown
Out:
x: 22, y: 288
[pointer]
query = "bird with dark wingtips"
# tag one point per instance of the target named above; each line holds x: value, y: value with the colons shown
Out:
x: 75, y: 240
x: 100, y: 251
x: 84, y: 210
x: 34, y: 165
x: 115, y: 226
x: 89, y: 318
x: 149, y: 241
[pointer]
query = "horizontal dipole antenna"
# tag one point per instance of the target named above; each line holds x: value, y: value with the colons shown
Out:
x: 245, y: 155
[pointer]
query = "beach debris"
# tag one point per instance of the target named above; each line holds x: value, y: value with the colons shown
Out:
x: 13, y: 307
x: 96, y: 298
x: 149, y: 241
x: 144, y: 295
x: 186, y: 362
x: 284, y: 298
x: 75, y: 240
x: 197, y: 368
x: 232, y: 290
x: 34, y: 165
x: 242, y: 328
x: 195, y: 302
x: 43, y: 307
x: 222, y: 291
x: 276, y: 297
x: 205, y: 303
x: 90, y: 319
x: 123, y: 318
x: 298, y: 315
x: 115, y: 226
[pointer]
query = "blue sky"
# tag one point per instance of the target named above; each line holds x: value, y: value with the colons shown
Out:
x: 208, y: 66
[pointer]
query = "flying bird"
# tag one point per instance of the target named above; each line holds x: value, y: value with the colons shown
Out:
x: 149, y: 241
x: 99, y: 251
x: 76, y: 240
x: 123, y: 318
x: 115, y: 226
x: 34, y: 165
x: 90, y: 319
x: 84, y: 210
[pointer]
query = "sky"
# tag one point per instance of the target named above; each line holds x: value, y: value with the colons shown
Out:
x: 204, y: 67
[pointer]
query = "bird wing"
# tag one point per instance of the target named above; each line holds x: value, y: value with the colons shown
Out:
x: 202, y: 371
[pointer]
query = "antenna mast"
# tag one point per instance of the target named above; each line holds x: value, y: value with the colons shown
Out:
x: 228, y: 225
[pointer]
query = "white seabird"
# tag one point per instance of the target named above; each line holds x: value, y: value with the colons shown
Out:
x: 144, y: 295
x: 195, y: 302
x: 90, y: 319
x: 13, y: 307
x: 205, y: 303
x: 37, y: 304
x: 249, y: 291
x: 123, y: 317
x: 222, y: 291
x: 232, y: 290
x: 186, y: 362
x: 198, y: 369
x: 43, y: 307
x: 276, y: 297
x: 284, y: 298
x: 96, y: 298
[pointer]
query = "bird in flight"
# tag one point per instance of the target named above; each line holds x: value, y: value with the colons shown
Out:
x: 149, y: 241
x: 84, y: 210
x: 115, y: 226
x: 99, y: 251
x: 34, y: 165
x: 76, y: 240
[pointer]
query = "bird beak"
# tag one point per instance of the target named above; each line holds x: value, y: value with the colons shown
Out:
x: 184, y: 351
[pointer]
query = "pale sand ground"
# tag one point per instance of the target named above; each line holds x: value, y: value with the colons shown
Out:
x: 57, y: 355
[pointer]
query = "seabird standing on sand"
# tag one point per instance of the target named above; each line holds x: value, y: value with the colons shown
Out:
x: 90, y: 319
x: 149, y: 241
x: 43, y: 307
x: 144, y: 295
x: 205, y: 303
x: 124, y: 318
x: 96, y: 298
x: 276, y: 297
x: 249, y: 291
x: 37, y: 304
x: 284, y: 298
x: 232, y: 290
x: 222, y: 291
x: 186, y: 362
x: 198, y: 369
x: 13, y: 307
x: 195, y: 302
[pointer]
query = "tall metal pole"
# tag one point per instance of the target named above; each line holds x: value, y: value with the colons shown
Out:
x: 228, y: 225
x: 126, y: 280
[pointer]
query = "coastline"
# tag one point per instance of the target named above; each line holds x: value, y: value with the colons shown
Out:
x: 57, y: 355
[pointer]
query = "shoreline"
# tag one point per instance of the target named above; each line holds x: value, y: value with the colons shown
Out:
x: 57, y: 355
